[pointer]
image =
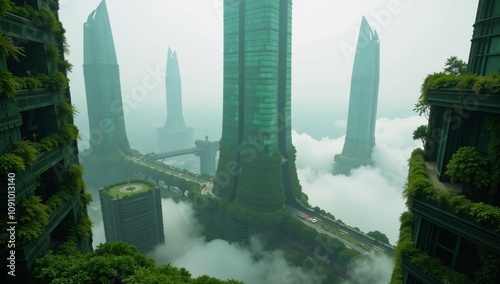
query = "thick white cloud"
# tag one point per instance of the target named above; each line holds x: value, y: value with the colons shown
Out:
x: 370, y: 198
x: 376, y: 269
x: 185, y: 247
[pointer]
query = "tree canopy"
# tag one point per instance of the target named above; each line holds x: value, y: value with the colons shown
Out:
x: 381, y: 237
x: 420, y: 133
x: 455, y: 66
x: 115, y: 262
x: 467, y: 166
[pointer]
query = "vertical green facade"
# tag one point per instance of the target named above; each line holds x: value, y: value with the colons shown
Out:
x: 102, y: 86
x: 40, y: 176
x: 446, y: 224
x: 484, y: 56
x: 360, y: 133
x: 253, y: 170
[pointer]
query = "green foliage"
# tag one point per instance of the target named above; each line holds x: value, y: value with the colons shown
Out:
x: 33, y: 219
x: 256, y: 217
x: 418, y: 186
x: 28, y: 83
x: 8, y: 48
x: 467, y: 166
x: 11, y: 163
x: 308, y: 235
x: 57, y: 81
x: 53, y: 53
x: 493, y: 127
x: 379, y: 236
x: 348, y: 256
x: 68, y: 110
x: 46, y: 19
x: 265, y: 193
x: 455, y: 66
x: 294, y: 180
x: 8, y: 85
x: 69, y: 133
x: 430, y: 265
x: 420, y: 133
x: 26, y: 151
x: 65, y: 66
x: 405, y: 246
x: 435, y: 267
x: 490, y: 270
x: 86, y: 198
x: 115, y: 262
x: 455, y: 77
x: 5, y: 6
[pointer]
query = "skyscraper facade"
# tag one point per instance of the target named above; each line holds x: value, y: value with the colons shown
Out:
x: 450, y: 234
x: 131, y: 212
x: 256, y: 170
x: 360, y: 133
x: 175, y: 134
x: 102, y: 85
x: 41, y: 180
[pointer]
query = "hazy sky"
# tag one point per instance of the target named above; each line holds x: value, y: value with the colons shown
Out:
x: 416, y: 37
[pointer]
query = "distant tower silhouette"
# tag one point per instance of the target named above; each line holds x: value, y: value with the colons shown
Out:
x: 360, y: 134
x: 102, y: 86
x: 256, y: 172
x: 175, y: 134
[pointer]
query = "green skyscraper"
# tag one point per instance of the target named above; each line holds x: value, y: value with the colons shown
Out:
x: 360, y: 133
x: 102, y: 86
x: 256, y: 171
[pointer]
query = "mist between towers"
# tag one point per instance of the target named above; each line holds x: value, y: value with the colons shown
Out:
x: 150, y: 82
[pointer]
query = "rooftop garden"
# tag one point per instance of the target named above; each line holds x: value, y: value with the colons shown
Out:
x: 420, y: 186
x: 129, y: 188
x: 455, y: 76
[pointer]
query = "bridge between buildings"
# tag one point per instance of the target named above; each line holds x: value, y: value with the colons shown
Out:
x: 206, y: 150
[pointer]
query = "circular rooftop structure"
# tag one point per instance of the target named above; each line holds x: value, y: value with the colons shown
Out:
x: 125, y: 189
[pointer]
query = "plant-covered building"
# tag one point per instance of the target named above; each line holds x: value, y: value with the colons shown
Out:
x: 131, y: 212
x: 451, y: 233
x: 256, y: 172
x: 39, y: 167
x: 360, y: 131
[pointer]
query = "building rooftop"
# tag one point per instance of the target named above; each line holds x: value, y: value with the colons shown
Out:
x: 127, y: 189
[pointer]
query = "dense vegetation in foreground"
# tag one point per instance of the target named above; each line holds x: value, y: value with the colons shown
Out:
x: 115, y: 262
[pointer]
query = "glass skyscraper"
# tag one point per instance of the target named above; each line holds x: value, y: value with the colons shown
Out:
x: 102, y: 86
x: 256, y: 170
x: 360, y: 133
x: 175, y: 134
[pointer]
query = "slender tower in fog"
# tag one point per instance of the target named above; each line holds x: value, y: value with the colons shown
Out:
x: 175, y: 134
x: 256, y: 171
x: 360, y: 134
x: 102, y: 86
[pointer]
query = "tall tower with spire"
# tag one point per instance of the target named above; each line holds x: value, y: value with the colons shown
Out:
x: 102, y: 86
x: 360, y: 134
x: 175, y: 134
x: 256, y: 173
